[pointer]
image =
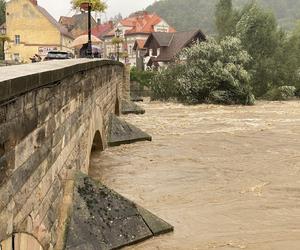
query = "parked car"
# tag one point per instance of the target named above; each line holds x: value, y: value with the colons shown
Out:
x: 57, y: 55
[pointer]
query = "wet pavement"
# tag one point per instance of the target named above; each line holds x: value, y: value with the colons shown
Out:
x: 224, y: 177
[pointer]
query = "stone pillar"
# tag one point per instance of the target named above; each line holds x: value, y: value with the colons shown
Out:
x: 126, y: 84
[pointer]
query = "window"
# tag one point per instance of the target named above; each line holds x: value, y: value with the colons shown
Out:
x: 150, y: 52
x: 158, y: 51
x: 17, y: 39
x: 16, y: 57
x: 130, y: 49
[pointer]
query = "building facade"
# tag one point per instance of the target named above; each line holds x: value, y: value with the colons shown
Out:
x: 138, y: 26
x: 161, y: 49
x: 77, y: 24
x: 32, y: 30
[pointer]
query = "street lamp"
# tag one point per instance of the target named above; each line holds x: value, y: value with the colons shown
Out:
x: 118, y: 33
x: 87, y: 6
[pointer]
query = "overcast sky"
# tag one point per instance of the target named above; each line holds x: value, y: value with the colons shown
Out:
x: 62, y: 7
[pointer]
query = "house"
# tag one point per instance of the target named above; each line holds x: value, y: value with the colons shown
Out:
x: 77, y: 24
x: 32, y: 30
x: 140, y: 53
x: 100, y: 30
x: 137, y: 26
x: 163, y: 48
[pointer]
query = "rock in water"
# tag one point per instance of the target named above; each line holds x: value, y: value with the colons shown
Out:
x: 121, y: 132
x: 103, y: 219
x: 129, y: 107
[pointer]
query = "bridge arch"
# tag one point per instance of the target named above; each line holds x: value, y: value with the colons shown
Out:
x: 97, y: 144
x: 21, y: 241
x: 49, y: 127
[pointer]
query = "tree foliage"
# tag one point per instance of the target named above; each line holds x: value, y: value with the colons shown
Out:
x: 275, y: 53
x: 117, y: 40
x: 224, y: 18
x: 212, y: 72
x: 200, y: 13
x: 281, y: 93
x: 143, y: 77
x: 97, y: 5
x: 2, y: 11
x: 261, y: 37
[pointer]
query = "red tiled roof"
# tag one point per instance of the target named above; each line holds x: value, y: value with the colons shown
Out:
x: 142, y: 23
x: 101, y: 29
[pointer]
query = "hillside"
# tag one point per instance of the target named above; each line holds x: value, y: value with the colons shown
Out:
x: 188, y: 14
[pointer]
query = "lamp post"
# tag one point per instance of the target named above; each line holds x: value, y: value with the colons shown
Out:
x: 118, y: 34
x: 87, y: 6
x: 3, y: 33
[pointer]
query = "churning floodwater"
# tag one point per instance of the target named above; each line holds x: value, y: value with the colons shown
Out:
x: 225, y: 177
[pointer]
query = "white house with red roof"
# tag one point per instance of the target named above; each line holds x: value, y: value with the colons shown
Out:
x: 137, y: 27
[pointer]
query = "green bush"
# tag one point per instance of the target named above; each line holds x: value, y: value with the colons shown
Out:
x: 164, y: 85
x: 142, y: 77
x: 281, y: 93
x: 210, y: 72
x: 297, y: 93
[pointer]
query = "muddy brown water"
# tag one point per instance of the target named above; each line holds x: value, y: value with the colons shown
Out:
x: 224, y: 177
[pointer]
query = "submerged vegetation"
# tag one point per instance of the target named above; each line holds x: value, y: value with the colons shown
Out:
x: 250, y: 56
x: 212, y: 73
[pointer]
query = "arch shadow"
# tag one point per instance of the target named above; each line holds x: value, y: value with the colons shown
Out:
x: 117, y: 107
x: 97, y: 144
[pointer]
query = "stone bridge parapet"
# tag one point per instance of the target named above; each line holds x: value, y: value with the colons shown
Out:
x: 51, y: 113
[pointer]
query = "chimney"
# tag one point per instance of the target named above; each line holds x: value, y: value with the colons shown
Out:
x: 34, y: 2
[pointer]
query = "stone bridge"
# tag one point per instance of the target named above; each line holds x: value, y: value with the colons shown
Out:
x: 51, y: 115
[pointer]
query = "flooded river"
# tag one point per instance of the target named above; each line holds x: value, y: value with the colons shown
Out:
x: 224, y: 177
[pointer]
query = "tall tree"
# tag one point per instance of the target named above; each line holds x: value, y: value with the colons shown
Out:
x: 2, y: 11
x: 288, y: 59
x: 200, y: 13
x: 258, y: 31
x: 224, y: 18
x: 2, y: 20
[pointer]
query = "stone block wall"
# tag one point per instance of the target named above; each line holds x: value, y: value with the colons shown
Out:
x: 49, y: 115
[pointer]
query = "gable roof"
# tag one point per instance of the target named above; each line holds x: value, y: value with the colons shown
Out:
x: 163, y: 39
x: 139, y: 44
x: 173, y: 43
x: 101, y: 29
x: 52, y: 20
x: 76, y: 24
x: 141, y: 23
x: 66, y: 20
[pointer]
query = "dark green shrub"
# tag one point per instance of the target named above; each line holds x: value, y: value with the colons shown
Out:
x: 210, y: 72
x: 142, y: 77
x: 282, y: 93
